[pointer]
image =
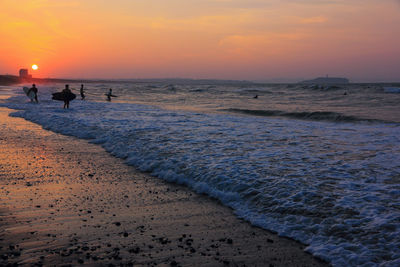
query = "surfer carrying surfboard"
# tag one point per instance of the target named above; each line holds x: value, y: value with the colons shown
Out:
x: 66, y: 92
x: 65, y: 95
x: 35, y: 91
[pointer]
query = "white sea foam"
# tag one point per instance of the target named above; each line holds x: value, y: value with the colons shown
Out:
x: 332, y: 186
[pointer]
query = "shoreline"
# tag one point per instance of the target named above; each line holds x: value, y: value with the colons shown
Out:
x: 66, y: 201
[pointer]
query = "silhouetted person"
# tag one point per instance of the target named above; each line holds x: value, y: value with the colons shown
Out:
x: 35, y: 91
x: 66, y: 93
x: 109, y: 94
x: 82, y: 92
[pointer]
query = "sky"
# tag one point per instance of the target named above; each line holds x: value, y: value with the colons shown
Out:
x: 270, y: 40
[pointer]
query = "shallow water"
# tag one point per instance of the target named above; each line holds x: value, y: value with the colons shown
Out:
x: 311, y: 164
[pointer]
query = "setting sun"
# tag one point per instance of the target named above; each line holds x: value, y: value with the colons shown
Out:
x: 35, y: 67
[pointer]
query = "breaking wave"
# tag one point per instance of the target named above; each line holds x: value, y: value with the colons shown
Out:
x: 315, y: 116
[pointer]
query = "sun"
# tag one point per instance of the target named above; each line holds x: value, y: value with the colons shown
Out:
x: 35, y: 67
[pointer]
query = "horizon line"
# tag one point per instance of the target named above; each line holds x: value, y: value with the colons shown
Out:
x: 267, y: 80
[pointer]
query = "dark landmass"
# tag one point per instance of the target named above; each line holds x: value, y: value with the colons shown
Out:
x: 11, y: 79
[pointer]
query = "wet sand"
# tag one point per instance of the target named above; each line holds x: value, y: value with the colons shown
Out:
x: 64, y: 201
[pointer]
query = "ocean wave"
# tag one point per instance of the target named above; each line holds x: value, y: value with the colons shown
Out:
x: 317, y: 87
x: 266, y: 90
x: 305, y: 115
x: 393, y: 90
x: 198, y: 90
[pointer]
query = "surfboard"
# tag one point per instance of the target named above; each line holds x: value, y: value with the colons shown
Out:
x: 111, y: 95
x: 31, y: 94
x: 60, y: 96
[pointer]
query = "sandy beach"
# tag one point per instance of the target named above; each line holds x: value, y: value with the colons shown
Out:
x: 65, y: 201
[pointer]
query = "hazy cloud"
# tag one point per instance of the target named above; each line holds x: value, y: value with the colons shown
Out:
x: 313, y: 20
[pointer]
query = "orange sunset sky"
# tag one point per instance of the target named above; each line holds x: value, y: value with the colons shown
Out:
x: 222, y: 39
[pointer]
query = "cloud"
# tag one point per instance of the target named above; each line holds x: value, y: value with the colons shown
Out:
x: 314, y: 20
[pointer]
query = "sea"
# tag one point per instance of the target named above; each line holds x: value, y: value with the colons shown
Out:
x: 318, y: 164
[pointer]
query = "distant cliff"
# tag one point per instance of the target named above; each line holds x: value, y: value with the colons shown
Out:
x: 327, y: 80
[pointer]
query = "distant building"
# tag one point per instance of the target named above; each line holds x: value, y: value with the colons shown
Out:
x: 24, y: 74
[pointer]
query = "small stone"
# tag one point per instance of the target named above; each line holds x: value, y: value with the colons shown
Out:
x: 135, y: 250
